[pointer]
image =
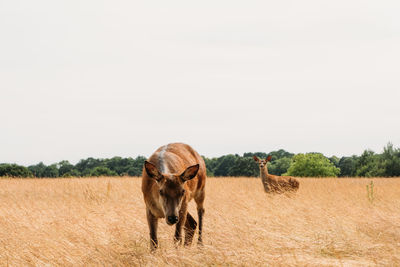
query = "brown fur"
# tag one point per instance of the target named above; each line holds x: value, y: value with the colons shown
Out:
x: 164, y: 177
x: 274, y: 183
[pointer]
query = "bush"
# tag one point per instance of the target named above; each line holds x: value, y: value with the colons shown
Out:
x: 312, y: 165
x: 14, y: 170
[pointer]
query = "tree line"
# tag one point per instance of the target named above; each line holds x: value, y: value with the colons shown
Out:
x: 368, y: 164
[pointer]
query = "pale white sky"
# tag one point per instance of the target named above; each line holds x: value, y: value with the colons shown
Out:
x: 121, y: 78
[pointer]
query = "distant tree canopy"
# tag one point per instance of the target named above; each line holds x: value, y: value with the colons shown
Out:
x: 368, y: 164
x: 115, y: 166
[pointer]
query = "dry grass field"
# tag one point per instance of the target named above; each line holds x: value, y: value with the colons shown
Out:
x: 101, y: 221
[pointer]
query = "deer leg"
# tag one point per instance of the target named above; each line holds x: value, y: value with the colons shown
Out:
x: 180, y: 224
x: 190, y: 228
x: 152, y: 221
x: 200, y: 212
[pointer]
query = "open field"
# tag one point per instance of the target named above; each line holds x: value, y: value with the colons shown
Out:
x: 101, y: 221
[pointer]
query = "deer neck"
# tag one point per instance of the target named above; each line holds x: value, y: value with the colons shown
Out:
x: 265, y: 177
x: 264, y: 171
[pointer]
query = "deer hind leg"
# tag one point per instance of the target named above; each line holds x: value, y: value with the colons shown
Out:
x: 294, y: 183
x: 200, y: 212
x: 152, y: 221
x: 190, y: 228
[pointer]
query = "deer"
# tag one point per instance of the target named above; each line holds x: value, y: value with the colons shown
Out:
x: 274, y: 183
x: 173, y: 176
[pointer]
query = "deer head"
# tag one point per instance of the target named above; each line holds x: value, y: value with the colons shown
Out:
x: 171, y: 189
x: 262, y: 163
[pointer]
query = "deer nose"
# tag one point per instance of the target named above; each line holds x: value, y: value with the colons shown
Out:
x: 172, y: 219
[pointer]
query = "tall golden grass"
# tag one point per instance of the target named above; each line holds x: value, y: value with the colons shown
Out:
x: 101, y: 221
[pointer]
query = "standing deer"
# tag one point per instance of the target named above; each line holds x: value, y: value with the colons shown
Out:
x: 174, y: 175
x: 274, y: 183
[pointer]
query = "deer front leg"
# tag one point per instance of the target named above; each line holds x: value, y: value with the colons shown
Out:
x: 200, y: 213
x: 152, y: 221
x: 180, y: 223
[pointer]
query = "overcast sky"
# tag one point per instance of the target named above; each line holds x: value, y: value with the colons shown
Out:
x: 121, y: 78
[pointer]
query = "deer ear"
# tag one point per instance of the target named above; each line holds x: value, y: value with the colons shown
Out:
x: 152, y: 171
x: 190, y: 173
x: 269, y: 158
x: 255, y: 158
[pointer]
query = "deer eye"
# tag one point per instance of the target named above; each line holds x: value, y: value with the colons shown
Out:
x: 161, y: 193
x: 183, y: 191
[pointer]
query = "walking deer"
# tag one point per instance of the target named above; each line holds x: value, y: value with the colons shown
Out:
x: 174, y: 175
x: 274, y: 183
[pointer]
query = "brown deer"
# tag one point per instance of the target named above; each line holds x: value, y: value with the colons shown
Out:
x: 274, y: 183
x: 174, y: 175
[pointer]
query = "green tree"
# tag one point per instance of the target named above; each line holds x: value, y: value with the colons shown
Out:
x: 369, y: 165
x: 135, y: 166
x: 138, y: 165
x: 66, y: 169
x: 312, y: 165
x: 118, y: 164
x: 210, y: 165
x: 348, y: 166
x: 102, y: 171
x: 391, y: 160
x: 281, y: 153
x: 85, y: 166
x: 51, y: 171
x: 38, y: 169
x: 279, y: 166
x: 258, y: 154
x: 134, y: 171
x: 224, y: 165
x: 335, y: 160
x: 244, y: 166
x: 72, y: 173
